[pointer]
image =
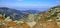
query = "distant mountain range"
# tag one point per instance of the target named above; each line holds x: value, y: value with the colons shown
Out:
x: 32, y: 11
x: 15, y: 14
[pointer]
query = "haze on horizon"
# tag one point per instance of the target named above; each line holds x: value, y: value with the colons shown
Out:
x: 29, y: 3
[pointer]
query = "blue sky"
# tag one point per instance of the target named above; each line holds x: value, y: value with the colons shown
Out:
x: 29, y: 3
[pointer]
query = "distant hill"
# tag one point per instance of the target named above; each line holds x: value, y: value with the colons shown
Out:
x: 15, y: 14
x: 32, y: 11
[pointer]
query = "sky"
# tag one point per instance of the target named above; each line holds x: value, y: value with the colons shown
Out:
x: 29, y: 3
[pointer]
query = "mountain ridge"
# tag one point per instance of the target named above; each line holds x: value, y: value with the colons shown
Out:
x: 13, y: 13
